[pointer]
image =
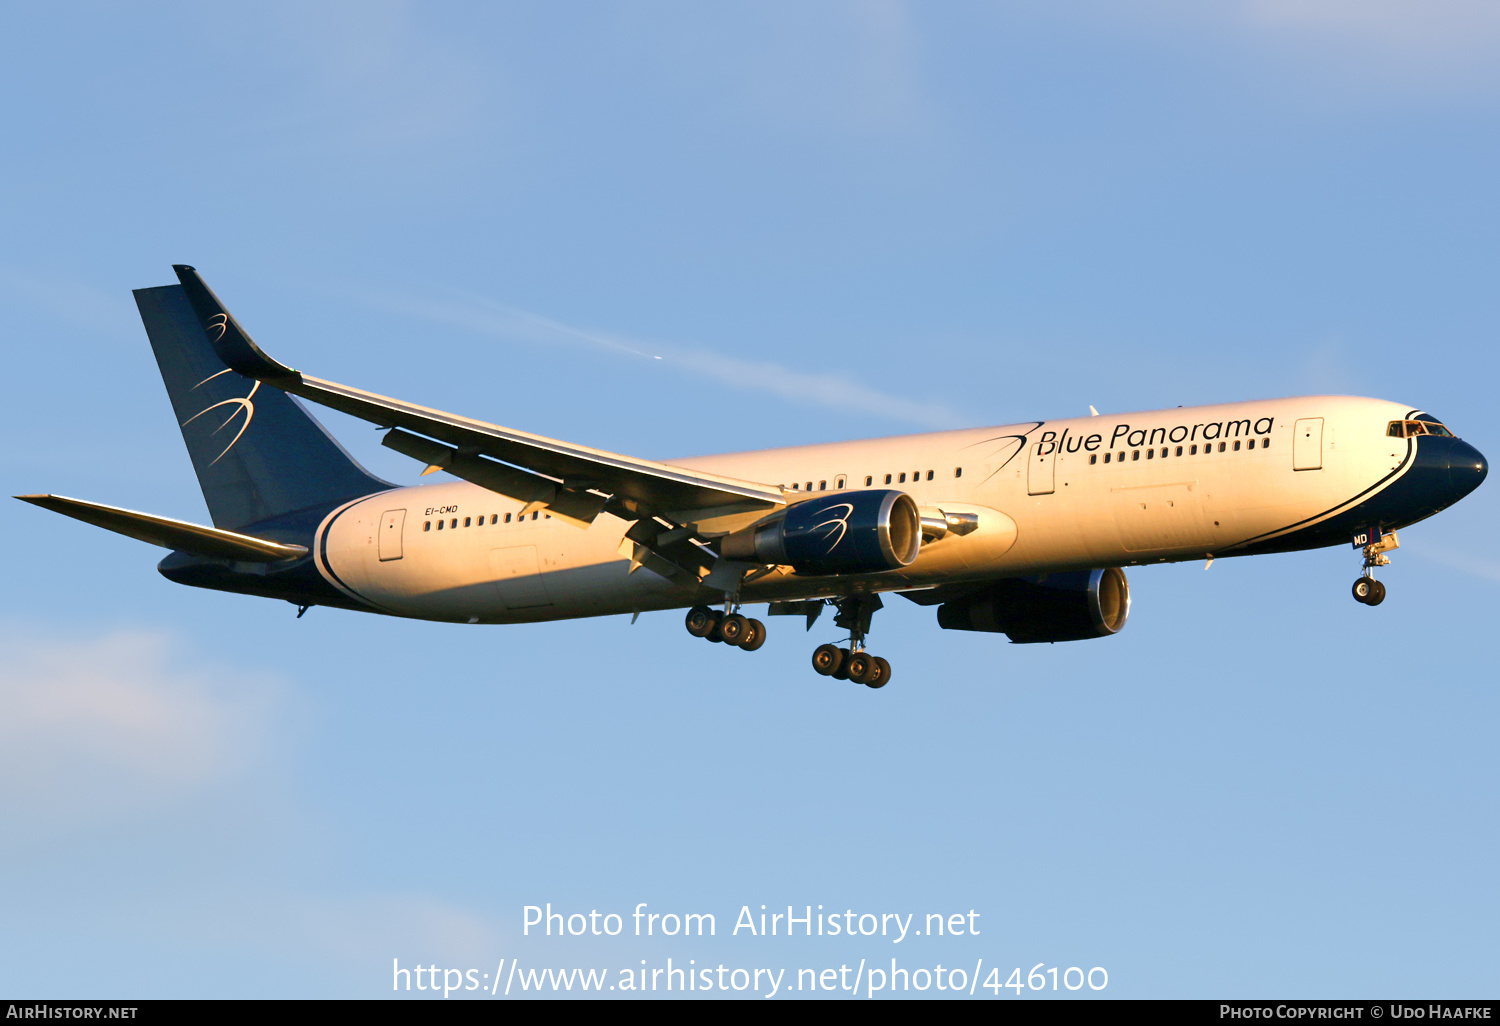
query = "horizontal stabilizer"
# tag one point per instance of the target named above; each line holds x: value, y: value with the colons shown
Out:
x: 169, y: 533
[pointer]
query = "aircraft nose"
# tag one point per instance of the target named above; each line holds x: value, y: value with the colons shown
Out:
x: 1467, y: 468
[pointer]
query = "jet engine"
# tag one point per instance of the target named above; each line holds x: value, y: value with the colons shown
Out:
x: 1070, y: 606
x: 859, y: 532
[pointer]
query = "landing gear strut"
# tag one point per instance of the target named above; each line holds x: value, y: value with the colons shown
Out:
x: 1367, y: 589
x: 730, y: 628
x: 853, y: 663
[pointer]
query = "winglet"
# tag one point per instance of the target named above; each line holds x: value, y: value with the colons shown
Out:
x: 231, y: 342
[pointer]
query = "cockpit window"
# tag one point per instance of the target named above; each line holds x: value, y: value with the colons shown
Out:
x: 1410, y: 428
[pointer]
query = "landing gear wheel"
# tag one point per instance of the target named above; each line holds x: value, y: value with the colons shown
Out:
x: 842, y: 673
x: 883, y: 677
x: 733, y: 629
x: 863, y: 668
x: 828, y: 659
x: 1364, y: 590
x: 700, y: 620
x: 755, y: 636
x: 714, y: 633
x: 1377, y: 594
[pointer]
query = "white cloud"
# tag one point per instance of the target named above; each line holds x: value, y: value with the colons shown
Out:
x: 1342, y: 49
x: 94, y: 730
x: 371, y: 930
x: 1444, y: 48
x: 1428, y: 27
x: 853, y: 65
x: 351, y: 75
x: 836, y: 391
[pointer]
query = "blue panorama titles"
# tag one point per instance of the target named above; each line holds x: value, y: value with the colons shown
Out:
x: 811, y: 923
x: 1128, y: 438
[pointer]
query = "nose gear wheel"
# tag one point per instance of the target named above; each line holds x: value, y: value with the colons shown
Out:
x: 1367, y: 589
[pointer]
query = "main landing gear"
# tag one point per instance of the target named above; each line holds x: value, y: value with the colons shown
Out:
x: 853, y: 663
x: 1367, y: 589
x: 729, y: 628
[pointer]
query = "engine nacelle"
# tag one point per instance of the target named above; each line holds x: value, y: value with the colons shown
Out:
x: 1069, y: 606
x: 859, y: 532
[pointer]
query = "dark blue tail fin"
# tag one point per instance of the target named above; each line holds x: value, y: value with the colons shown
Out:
x: 257, y: 452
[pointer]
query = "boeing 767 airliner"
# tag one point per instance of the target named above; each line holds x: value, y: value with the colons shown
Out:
x: 1021, y: 530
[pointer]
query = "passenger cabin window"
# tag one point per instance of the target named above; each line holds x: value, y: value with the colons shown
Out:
x: 1093, y: 459
x: 887, y: 479
x: 427, y: 525
x: 822, y: 486
x: 902, y: 479
x: 869, y: 480
x: 958, y: 471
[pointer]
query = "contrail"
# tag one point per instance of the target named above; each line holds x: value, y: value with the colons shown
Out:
x: 837, y: 391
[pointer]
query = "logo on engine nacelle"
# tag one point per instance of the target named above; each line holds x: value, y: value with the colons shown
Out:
x: 839, y: 523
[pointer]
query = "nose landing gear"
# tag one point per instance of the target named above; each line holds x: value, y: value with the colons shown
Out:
x: 853, y: 663
x: 1367, y: 589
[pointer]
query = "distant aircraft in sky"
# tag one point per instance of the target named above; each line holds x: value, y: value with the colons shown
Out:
x: 1020, y: 530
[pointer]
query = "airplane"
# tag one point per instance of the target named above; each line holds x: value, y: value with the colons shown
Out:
x: 1022, y: 530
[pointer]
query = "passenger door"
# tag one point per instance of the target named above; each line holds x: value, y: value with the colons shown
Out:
x: 1040, y: 469
x: 392, y: 522
x: 1307, y: 444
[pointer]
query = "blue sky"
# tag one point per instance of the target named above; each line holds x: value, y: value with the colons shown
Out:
x: 828, y: 221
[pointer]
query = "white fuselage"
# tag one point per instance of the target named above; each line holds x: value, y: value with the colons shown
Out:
x: 1183, y: 483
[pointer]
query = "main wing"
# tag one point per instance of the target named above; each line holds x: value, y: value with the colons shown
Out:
x: 571, y: 481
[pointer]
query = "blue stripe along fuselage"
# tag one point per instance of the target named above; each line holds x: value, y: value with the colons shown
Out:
x: 1436, y: 473
x: 295, y: 581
